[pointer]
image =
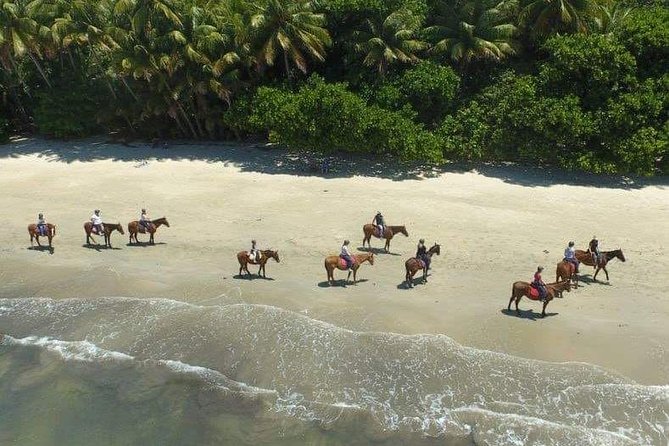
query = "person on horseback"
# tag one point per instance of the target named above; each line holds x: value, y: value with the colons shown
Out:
x: 96, y: 220
x: 570, y: 256
x: 41, y: 225
x: 144, y: 220
x: 593, y: 247
x: 254, y: 253
x: 539, y: 284
x: 346, y: 254
x: 379, y: 223
x: 421, y: 253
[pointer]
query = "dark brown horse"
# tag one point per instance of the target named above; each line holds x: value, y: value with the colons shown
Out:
x: 388, y: 233
x: 35, y: 234
x: 108, y: 228
x: 413, y: 265
x: 566, y: 271
x: 244, y: 261
x: 585, y: 257
x: 134, y: 228
x: 520, y: 289
x: 334, y: 262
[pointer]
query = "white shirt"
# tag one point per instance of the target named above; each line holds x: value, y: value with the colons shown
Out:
x: 570, y: 253
x: 144, y: 217
x: 345, y: 251
x: 41, y: 221
x: 96, y: 219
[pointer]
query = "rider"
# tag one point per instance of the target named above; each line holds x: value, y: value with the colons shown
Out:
x: 570, y: 256
x: 593, y: 247
x: 144, y: 220
x: 254, y: 253
x: 421, y: 253
x: 41, y: 224
x: 379, y: 223
x: 96, y: 220
x: 539, y: 284
x: 346, y: 254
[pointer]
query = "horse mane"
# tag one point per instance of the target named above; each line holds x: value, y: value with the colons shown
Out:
x: 158, y: 220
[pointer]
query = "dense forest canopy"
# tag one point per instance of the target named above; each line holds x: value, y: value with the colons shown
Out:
x: 577, y: 83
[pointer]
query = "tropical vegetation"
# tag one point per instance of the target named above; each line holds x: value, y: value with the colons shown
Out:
x: 582, y: 84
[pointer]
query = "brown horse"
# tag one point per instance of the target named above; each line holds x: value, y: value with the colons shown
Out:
x: 35, y: 234
x: 108, y: 228
x: 566, y: 271
x: 585, y: 257
x: 388, y: 233
x: 413, y: 265
x: 333, y: 262
x: 520, y: 289
x: 134, y: 228
x: 244, y: 261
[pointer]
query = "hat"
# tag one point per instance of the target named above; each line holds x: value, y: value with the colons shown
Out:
x: 143, y: 210
x: 540, y: 268
x: 97, y: 211
x: 571, y: 243
x: 422, y: 240
x: 346, y: 242
x: 41, y: 215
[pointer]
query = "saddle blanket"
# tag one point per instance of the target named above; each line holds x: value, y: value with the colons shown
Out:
x: 534, y: 293
x: 342, y: 264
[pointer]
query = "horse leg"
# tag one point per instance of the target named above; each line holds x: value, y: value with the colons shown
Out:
x: 508, y: 307
x: 607, y: 273
x: 518, y: 300
x: 37, y: 240
x: 543, y: 311
x: 50, y: 237
x: 595, y: 276
x: 387, y: 247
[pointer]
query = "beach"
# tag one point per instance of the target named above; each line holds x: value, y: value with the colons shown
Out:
x: 495, y: 225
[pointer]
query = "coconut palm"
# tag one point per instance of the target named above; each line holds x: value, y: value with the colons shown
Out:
x: 608, y: 16
x: 393, y: 40
x: 546, y: 17
x: 479, y: 30
x: 292, y: 28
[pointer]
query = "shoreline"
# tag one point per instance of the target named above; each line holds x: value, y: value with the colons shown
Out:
x: 481, y: 219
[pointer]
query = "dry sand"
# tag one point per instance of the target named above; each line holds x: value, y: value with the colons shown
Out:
x: 495, y: 225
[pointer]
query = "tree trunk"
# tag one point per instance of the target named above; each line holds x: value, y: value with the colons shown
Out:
x: 39, y: 68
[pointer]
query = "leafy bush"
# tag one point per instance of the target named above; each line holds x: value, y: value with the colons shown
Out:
x: 328, y: 117
x: 4, y: 130
x: 645, y: 33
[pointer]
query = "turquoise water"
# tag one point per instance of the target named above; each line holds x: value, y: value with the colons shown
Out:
x: 155, y: 371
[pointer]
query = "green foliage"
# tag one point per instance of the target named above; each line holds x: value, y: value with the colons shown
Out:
x: 645, y: 32
x: 329, y: 117
x: 430, y: 89
x: 591, y: 67
x: 4, y: 130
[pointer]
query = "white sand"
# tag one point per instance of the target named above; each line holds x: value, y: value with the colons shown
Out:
x: 494, y: 228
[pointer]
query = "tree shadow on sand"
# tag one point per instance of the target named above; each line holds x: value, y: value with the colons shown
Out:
x: 341, y: 283
x: 48, y: 249
x: 526, y: 314
x: 270, y: 159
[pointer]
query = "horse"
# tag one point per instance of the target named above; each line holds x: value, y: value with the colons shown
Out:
x: 134, y: 228
x: 108, y: 228
x: 332, y: 262
x: 244, y: 261
x: 35, y: 234
x: 585, y: 257
x: 413, y: 265
x: 566, y: 271
x: 520, y: 289
x: 388, y: 233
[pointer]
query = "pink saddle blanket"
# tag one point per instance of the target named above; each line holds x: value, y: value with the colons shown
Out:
x: 342, y: 263
x: 534, y: 293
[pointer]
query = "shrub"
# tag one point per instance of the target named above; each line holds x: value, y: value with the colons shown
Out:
x: 645, y: 33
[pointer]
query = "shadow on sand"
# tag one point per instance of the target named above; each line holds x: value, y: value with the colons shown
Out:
x: 342, y: 283
x: 526, y: 314
x: 48, y: 249
x: 269, y: 159
x: 415, y: 281
x: 98, y: 248
x: 251, y: 277
x: 377, y: 251
x: 144, y: 244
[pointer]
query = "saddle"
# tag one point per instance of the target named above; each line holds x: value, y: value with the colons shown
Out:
x: 343, y: 265
x: 377, y: 232
x: 94, y: 230
x: 534, y: 293
x: 142, y: 229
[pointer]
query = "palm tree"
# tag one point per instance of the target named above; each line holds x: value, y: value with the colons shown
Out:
x: 479, y: 30
x: 20, y: 36
x: 546, y: 17
x: 292, y: 27
x: 609, y: 15
x: 393, y: 40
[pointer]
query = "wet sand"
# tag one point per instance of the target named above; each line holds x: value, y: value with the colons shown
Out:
x: 495, y: 225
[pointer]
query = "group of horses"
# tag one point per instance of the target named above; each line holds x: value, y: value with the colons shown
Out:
x: 566, y: 277
x: 134, y: 228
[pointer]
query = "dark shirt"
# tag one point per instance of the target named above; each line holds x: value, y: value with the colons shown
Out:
x: 594, y: 245
x: 421, y: 252
x: 379, y: 220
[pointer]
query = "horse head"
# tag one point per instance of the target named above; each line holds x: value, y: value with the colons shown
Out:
x: 274, y: 255
x: 436, y: 249
x: 619, y: 254
x: 119, y: 228
x: 371, y: 258
x: 162, y: 221
x: 403, y: 230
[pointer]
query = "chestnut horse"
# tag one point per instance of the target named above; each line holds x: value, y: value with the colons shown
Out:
x: 388, y: 233
x: 520, y: 289
x: 244, y: 261
x: 585, y: 257
x: 108, y: 228
x: 332, y: 262
x: 566, y: 271
x: 35, y: 234
x: 413, y: 265
x: 134, y: 228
